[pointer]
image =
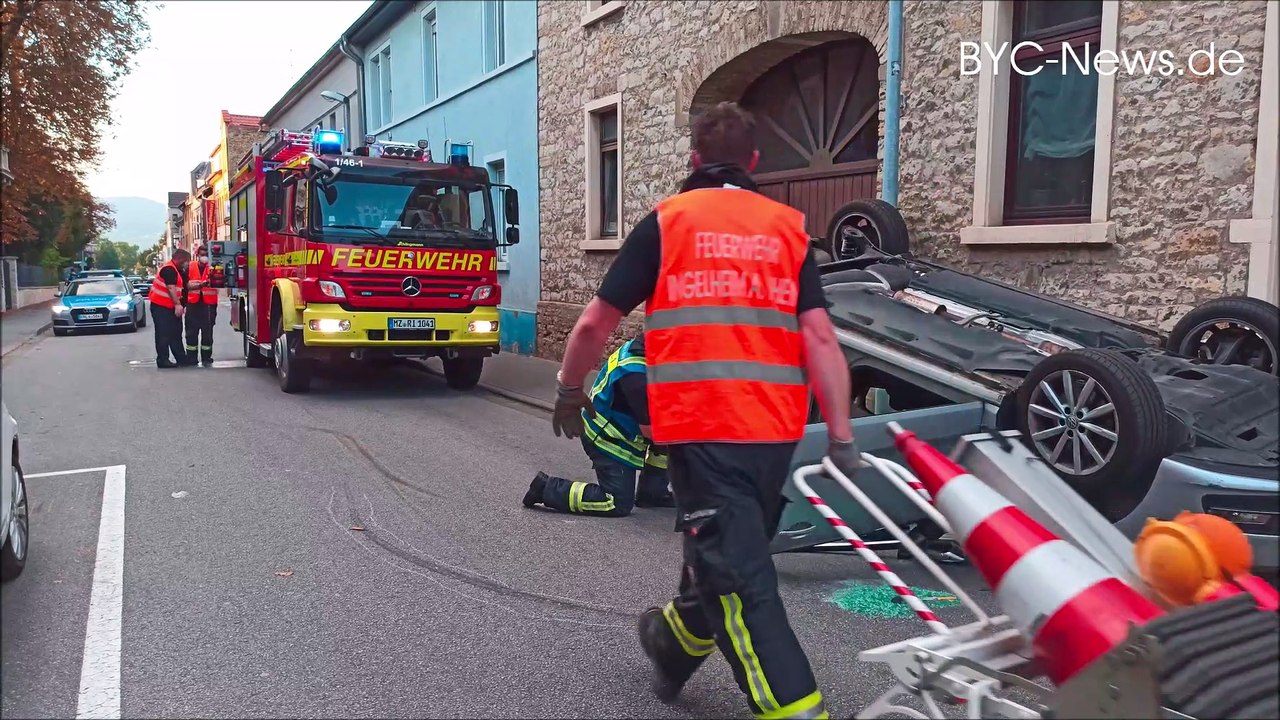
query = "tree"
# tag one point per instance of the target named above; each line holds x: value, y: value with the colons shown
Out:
x: 107, y: 257
x: 128, y: 256
x: 61, y: 64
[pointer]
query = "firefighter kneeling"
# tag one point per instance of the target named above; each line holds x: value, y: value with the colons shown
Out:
x: 202, y: 309
x: 615, y: 439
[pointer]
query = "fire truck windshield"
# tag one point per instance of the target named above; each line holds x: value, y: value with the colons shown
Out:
x: 403, y: 210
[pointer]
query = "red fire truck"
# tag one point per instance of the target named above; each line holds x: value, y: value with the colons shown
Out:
x: 374, y: 254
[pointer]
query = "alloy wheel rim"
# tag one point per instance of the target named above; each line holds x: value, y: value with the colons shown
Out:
x: 856, y: 233
x: 1223, y: 341
x: 18, y: 523
x: 1072, y: 422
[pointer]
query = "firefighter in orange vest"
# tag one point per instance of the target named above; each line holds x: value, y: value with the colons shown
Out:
x: 202, y: 309
x: 167, y: 309
x: 736, y: 332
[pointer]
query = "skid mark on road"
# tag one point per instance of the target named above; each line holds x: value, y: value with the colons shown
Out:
x: 354, y: 446
x: 423, y: 562
x: 100, y: 664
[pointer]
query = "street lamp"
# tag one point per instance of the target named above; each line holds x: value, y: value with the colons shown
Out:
x: 332, y: 96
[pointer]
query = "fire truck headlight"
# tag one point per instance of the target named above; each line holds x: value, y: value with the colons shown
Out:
x: 484, y: 292
x: 330, y: 325
x: 482, y: 326
x: 331, y: 289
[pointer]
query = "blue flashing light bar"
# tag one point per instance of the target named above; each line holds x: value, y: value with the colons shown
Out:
x: 328, y: 142
x: 459, y: 153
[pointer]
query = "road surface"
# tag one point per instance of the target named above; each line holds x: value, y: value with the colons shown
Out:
x: 359, y: 551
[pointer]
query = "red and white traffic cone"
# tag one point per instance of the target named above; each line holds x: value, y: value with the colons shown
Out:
x: 1073, y: 610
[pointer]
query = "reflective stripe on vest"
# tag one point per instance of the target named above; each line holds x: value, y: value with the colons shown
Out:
x: 159, y: 294
x: 722, y: 340
x: 614, y: 433
x: 208, y: 295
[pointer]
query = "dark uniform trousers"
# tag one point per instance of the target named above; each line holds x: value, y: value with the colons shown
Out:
x: 200, y: 318
x: 168, y: 332
x: 614, y: 492
x: 729, y: 502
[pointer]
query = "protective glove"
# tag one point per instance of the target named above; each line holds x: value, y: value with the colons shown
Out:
x: 571, y: 402
x: 845, y: 456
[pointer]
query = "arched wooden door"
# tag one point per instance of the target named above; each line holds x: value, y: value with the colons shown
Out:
x: 817, y: 114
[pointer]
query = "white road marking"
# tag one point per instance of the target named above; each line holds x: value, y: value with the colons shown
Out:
x: 74, y: 472
x: 100, y: 665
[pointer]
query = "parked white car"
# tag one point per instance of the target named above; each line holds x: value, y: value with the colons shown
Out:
x: 14, y: 508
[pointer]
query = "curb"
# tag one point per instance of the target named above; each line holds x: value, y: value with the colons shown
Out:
x: 537, y: 403
x: 43, y: 329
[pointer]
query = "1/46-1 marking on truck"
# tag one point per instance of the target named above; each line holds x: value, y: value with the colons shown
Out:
x: 411, y: 324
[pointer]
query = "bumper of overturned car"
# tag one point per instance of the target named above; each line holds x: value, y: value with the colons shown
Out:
x: 1249, y: 502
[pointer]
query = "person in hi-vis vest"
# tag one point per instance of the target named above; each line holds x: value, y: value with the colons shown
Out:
x: 616, y: 439
x: 736, y: 335
x: 202, y: 309
x: 168, y: 304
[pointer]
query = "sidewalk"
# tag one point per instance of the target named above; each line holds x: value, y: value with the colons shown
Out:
x: 19, y: 326
x: 525, y: 379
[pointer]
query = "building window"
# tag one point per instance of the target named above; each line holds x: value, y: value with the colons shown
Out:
x: 597, y: 10
x: 498, y: 176
x: 495, y: 42
x: 333, y: 121
x: 604, y: 173
x: 1052, y: 114
x: 380, y: 82
x: 430, y: 76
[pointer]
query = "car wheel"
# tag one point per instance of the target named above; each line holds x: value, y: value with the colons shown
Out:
x: 865, y: 224
x: 294, y: 374
x: 143, y: 321
x: 1096, y: 418
x: 463, y: 373
x: 1230, y: 331
x: 13, y: 556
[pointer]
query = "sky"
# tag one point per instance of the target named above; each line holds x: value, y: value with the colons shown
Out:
x: 206, y: 57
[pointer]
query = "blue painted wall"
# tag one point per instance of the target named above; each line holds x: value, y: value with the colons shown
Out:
x: 496, y: 111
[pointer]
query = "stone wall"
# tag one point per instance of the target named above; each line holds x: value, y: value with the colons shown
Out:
x: 1182, y: 162
x: 1181, y: 158
x: 657, y: 55
x: 240, y: 140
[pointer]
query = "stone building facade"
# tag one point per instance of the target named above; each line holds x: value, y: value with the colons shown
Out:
x: 1182, y: 204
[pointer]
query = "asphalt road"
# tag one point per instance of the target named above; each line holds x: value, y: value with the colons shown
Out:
x: 359, y: 551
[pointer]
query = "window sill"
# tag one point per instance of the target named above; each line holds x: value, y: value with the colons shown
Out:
x: 602, y: 12
x: 600, y: 244
x: 1103, y: 233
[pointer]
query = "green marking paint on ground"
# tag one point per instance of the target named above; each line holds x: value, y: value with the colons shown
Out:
x: 876, y: 599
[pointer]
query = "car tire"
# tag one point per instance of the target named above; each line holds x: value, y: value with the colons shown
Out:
x: 1230, y: 331
x: 463, y: 373
x: 13, y: 556
x: 143, y: 322
x: 869, y: 222
x: 1113, y: 406
x: 253, y: 358
x: 293, y: 372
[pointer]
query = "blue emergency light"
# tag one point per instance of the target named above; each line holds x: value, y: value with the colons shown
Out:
x: 328, y: 142
x: 459, y: 153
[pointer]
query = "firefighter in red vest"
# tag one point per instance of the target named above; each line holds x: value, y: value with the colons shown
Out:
x: 167, y: 309
x: 736, y: 333
x: 202, y: 309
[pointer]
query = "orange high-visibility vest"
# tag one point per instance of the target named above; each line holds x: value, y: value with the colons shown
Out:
x: 209, y: 295
x: 159, y: 294
x: 722, y: 340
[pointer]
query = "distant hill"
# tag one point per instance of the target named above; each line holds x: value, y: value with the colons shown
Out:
x: 139, y: 221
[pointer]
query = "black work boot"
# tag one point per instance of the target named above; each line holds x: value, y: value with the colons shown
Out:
x: 536, y: 488
x: 672, y: 666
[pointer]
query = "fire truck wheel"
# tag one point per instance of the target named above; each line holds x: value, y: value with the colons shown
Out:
x: 294, y: 373
x: 463, y: 373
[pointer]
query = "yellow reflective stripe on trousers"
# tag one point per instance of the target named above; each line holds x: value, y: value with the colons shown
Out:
x: 593, y: 506
x: 692, y: 644
x: 575, y: 495
x: 740, y: 636
x: 809, y: 707
x: 604, y: 443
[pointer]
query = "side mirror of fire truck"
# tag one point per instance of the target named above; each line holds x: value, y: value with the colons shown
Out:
x: 273, y: 193
x: 511, y: 206
x: 513, y: 235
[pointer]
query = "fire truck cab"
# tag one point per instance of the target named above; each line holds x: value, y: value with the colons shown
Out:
x: 375, y: 254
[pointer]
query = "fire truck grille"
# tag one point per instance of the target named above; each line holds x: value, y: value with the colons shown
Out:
x: 364, y: 286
